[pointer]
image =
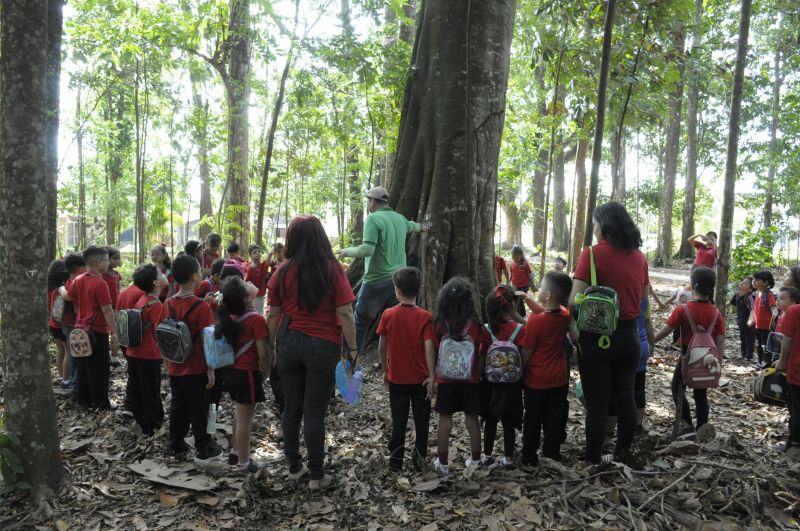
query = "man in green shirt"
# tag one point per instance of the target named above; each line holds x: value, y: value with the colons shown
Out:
x: 384, y: 252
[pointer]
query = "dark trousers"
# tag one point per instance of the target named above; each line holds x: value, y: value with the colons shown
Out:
x: 764, y: 357
x: 276, y: 384
x: 307, y: 365
x: 490, y: 434
x: 544, y: 409
x: 638, y: 394
x: 794, y: 414
x: 189, y: 407
x: 144, y: 381
x: 93, y: 372
x: 747, y: 340
x: 401, y: 396
x: 606, y: 373
x: 373, y: 298
x: 700, y: 399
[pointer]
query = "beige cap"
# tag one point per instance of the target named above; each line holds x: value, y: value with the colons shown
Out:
x: 380, y: 193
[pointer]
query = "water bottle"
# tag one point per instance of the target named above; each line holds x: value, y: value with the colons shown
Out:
x: 354, y: 389
x: 211, y: 428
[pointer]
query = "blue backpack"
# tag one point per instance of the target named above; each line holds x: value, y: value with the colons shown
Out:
x: 218, y: 351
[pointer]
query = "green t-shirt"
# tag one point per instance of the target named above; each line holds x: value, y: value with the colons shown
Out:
x: 386, y: 230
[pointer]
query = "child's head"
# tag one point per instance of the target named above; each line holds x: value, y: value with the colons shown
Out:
x: 232, y: 268
x: 788, y: 297
x: 711, y: 237
x: 213, y: 242
x: 746, y: 285
x: 560, y: 264
x: 407, y: 281
x: 57, y: 274
x: 278, y: 251
x: 234, y: 302
x: 254, y: 251
x: 96, y: 258
x: 233, y: 250
x: 500, y: 305
x: 185, y: 269
x: 455, y: 304
x: 146, y: 278
x: 555, y: 289
x: 703, y: 281
x: 159, y: 256
x: 114, y: 257
x: 75, y: 263
x: 763, y: 280
x: 192, y: 248
x: 252, y: 293
x: 216, y: 268
x: 517, y: 254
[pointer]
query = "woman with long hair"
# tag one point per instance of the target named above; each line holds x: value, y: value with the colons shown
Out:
x: 311, y: 310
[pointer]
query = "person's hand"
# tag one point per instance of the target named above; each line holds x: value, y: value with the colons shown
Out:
x: 521, y: 294
x: 114, y: 344
x: 425, y: 227
x: 386, y: 382
x: 781, y: 365
x: 751, y: 323
x: 342, y: 254
x: 430, y: 387
x: 211, y: 378
x: 264, y: 367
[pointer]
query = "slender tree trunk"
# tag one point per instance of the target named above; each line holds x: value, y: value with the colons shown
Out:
x: 200, y: 123
x: 355, y: 195
x: 773, y: 129
x: 406, y: 28
x: 728, y: 200
x: 25, y: 131
x: 55, y: 19
x: 513, y: 218
x: 449, y: 142
x: 541, y: 168
x: 138, y: 216
x: 664, y: 251
x: 560, y: 234
x: 580, y: 199
x: 81, y: 180
x: 689, y: 209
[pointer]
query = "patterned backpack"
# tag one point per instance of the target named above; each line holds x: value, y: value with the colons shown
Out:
x: 456, y: 357
x: 701, y: 366
x: 129, y: 325
x: 598, y: 312
x: 503, y: 359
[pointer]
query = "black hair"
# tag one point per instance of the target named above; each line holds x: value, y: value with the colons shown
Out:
x: 518, y: 249
x: 234, y: 301
x: 498, y: 304
x: 766, y: 276
x: 794, y: 272
x: 561, y: 260
x: 408, y: 280
x: 214, y: 239
x: 163, y: 250
x: 230, y: 271
x: 749, y: 281
x: 703, y: 280
x: 276, y: 246
x: 112, y: 250
x: 94, y: 252
x: 191, y: 247
x: 184, y: 267
x: 455, y: 305
x: 216, y: 266
x: 794, y: 294
x: 617, y: 227
x: 560, y: 285
x: 57, y: 274
x: 253, y: 248
x: 74, y: 261
x: 234, y: 248
x: 144, y: 276
x: 712, y: 233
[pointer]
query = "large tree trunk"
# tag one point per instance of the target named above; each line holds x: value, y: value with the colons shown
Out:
x: 728, y: 201
x: 560, y: 233
x: 30, y: 409
x: 200, y: 124
x: 449, y: 142
x: 513, y: 217
x: 773, y: 128
x: 664, y: 251
x: 687, y: 229
x: 580, y: 200
x: 55, y: 19
x: 540, y: 170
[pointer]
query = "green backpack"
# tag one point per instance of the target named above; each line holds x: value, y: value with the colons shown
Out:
x: 598, y: 312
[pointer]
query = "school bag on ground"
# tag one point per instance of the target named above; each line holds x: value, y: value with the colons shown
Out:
x: 503, y: 359
x: 173, y: 337
x: 769, y: 387
x: 701, y: 366
x: 598, y: 312
x: 57, y: 311
x: 456, y: 357
x: 218, y: 351
x: 129, y: 325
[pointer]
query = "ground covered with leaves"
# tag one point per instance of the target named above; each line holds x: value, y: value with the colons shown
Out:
x: 736, y: 480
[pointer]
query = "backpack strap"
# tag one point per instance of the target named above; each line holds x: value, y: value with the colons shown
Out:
x: 710, y: 329
x: 592, y: 268
x: 516, y: 332
x: 689, y: 318
x: 489, y: 329
x: 244, y: 348
x: 148, y: 324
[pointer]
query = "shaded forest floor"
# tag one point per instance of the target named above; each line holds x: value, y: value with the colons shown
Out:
x: 737, y: 479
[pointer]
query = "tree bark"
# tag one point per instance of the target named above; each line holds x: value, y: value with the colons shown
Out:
x: 449, y: 141
x: 81, y: 179
x: 541, y: 168
x: 580, y: 200
x: 507, y: 201
x: 689, y: 209
x: 200, y: 123
x: 773, y: 128
x: 30, y: 409
x: 664, y: 250
x: 55, y: 20
x: 560, y: 234
x: 728, y: 201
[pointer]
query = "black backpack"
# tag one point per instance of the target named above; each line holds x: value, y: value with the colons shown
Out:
x: 174, y: 339
x: 129, y: 325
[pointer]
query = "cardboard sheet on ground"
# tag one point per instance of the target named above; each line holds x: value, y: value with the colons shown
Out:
x: 173, y: 477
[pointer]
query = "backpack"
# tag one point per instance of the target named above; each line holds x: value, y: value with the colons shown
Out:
x: 218, y: 351
x: 769, y: 387
x: 503, y: 359
x: 80, y: 344
x: 173, y: 337
x: 129, y: 325
x: 598, y: 312
x: 456, y: 357
x: 57, y: 311
x: 701, y: 366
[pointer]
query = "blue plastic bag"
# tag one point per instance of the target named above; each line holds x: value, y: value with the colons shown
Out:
x: 349, y: 385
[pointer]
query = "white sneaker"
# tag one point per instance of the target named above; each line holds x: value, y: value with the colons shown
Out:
x: 440, y: 469
x: 507, y: 463
x: 470, y: 462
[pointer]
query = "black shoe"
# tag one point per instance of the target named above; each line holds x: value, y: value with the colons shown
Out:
x: 417, y: 460
x: 233, y: 459
x: 395, y: 467
x: 252, y: 467
x: 532, y: 460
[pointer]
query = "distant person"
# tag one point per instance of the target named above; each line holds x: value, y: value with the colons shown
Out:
x: 160, y: 257
x: 235, y: 252
x: 210, y: 252
x: 57, y: 276
x: 384, y: 252
x: 560, y: 264
x: 257, y: 274
x: 193, y: 248
x: 521, y: 276
x: 764, y: 310
x: 706, y: 246
x: 500, y: 267
x: 744, y: 301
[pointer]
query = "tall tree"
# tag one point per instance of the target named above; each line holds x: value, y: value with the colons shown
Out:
x: 772, y: 160
x: 55, y: 23
x: 30, y: 409
x: 449, y: 142
x: 200, y: 121
x: 728, y: 200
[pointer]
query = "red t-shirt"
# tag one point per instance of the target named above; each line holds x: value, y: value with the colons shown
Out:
x: 199, y: 318
x: 781, y: 322
x: 113, y: 279
x: 623, y: 271
x: 148, y: 348
x: 520, y: 274
x: 90, y: 293
x: 499, y: 267
x: 206, y: 260
x: 480, y: 338
x: 68, y: 317
x: 322, y: 323
x: 791, y: 328
x: 255, y: 328
x: 406, y: 328
x: 706, y: 255
x: 702, y: 313
x: 257, y: 274
x: 545, y: 335
x: 129, y: 297
x: 762, y: 312
x: 205, y: 287
x: 51, y: 298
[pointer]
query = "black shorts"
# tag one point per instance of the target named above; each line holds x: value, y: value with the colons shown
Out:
x: 455, y: 397
x: 58, y: 333
x: 245, y: 387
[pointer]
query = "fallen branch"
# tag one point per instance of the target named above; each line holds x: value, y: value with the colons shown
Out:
x: 667, y: 488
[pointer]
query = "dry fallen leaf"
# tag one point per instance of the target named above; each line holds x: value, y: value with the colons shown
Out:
x: 62, y: 525
x: 169, y: 499
x: 211, y: 501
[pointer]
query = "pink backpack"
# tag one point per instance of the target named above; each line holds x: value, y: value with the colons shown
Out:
x: 701, y: 366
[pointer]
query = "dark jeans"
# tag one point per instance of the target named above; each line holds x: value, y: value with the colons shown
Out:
x: 764, y: 357
x: 747, y: 340
x: 373, y: 298
x: 606, y: 373
x: 276, y: 384
x: 794, y: 414
x: 92, y: 374
x: 638, y: 394
x: 401, y: 396
x: 700, y: 399
x: 189, y: 407
x: 144, y: 381
x: 509, y: 434
x: 544, y: 409
x: 307, y: 365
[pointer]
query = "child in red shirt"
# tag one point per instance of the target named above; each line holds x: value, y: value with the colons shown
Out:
x: 257, y: 274
x: 159, y: 256
x: 521, y: 275
x: 57, y: 275
x: 546, y: 378
x: 112, y: 277
x: 405, y: 348
x: 787, y: 297
x: 76, y: 266
x: 764, y: 310
x: 501, y: 268
x: 209, y: 286
x: 703, y: 313
x: 210, y: 253
x: 274, y: 258
x: 789, y: 362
